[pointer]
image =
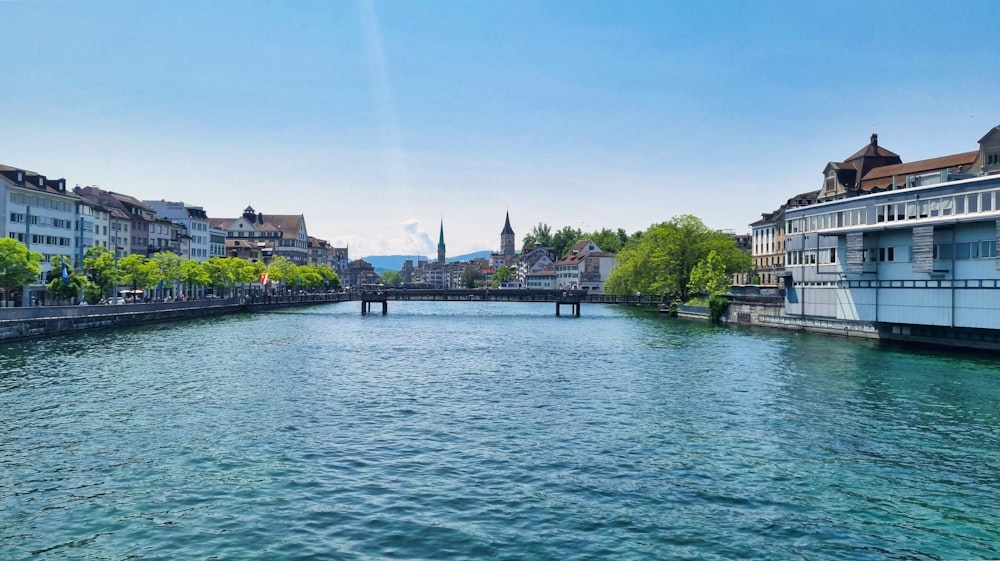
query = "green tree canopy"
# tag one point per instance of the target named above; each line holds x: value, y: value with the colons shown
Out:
x: 18, y: 265
x: 564, y: 239
x: 661, y: 260
x: 67, y: 288
x: 391, y: 278
x: 139, y: 272
x: 283, y: 270
x: 99, y: 266
x: 540, y: 234
x: 502, y: 275
x: 471, y: 277
x: 220, y: 271
x: 168, y: 264
x: 709, y: 275
x: 193, y: 274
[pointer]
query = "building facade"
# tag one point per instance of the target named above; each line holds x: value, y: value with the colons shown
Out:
x: 585, y: 267
x: 910, y: 247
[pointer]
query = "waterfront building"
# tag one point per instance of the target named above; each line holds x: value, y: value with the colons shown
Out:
x: 40, y: 213
x: 193, y: 220
x: 538, y: 258
x: 216, y: 241
x: 360, y: 275
x: 585, y: 267
x: 543, y: 279
x: 84, y: 227
x: 767, y: 247
x: 320, y: 252
x: 909, y: 247
x: 99, y: 217
x: 339, y: 260
x: 286, y: 232
x: 120, y: 219
x: 253, y: 252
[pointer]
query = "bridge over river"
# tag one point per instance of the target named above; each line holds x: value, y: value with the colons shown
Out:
x: 572, y: 298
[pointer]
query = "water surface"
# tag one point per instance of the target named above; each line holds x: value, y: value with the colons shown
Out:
x: 492, y: 431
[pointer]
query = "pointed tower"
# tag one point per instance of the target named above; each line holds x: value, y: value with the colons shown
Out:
x: 507, y: 238
x: 441, y: 244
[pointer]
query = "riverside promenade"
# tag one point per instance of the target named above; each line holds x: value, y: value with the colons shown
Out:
x: 45, y: 321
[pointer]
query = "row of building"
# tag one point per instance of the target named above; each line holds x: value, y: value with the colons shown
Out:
x: 52, y: 219
x: 584, y: 267
x: 908, y: 247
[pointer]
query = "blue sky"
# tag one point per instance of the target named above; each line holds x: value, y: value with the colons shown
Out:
x: 379, y: 119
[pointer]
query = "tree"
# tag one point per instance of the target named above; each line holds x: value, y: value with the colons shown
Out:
x: 221, y: 272
x: 391, y: 278
x: 607, y: 240
x: 564, y: 239
x: 471, y: 277
x: 18, y: 265
x: 709, y: 275
x: 99, y: 266
x: 71, y: 286
x: 660, y: 261
x: 502, y: 275
x: 330, y: 277
x: 540, y: 234
x: 193, y: 274
x: 139, y: 272
x: 283, y: 270
x: 169, y: 265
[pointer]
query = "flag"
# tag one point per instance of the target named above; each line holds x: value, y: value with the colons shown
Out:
x: 65, y: 273
x: 263, y: 278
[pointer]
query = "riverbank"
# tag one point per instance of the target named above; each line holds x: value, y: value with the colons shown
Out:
x: 771, y: 314
x: 45, y: 321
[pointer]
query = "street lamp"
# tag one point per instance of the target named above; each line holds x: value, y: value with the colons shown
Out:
x: 118, y: 250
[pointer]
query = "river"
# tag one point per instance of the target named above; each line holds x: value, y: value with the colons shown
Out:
x: 492, y: 431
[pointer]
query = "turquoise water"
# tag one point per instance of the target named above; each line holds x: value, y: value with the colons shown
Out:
x: 492, y: 431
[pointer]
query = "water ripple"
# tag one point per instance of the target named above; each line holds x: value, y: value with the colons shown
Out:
x: 491, y: 432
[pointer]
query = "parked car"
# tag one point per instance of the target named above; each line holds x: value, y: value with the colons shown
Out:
x: 114, y: 300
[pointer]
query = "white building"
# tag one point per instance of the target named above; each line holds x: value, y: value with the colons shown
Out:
x: 585, y: 267
x: 41, y: 214
x: 913, y: 252
x: 194, y: 219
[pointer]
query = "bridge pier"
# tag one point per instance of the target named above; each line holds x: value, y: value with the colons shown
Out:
x: 575, y: 308
x: 366, y: 306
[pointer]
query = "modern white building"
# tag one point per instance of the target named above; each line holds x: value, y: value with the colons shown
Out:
x: 913, y: 251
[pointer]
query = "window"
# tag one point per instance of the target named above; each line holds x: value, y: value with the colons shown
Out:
x: 944, y: 251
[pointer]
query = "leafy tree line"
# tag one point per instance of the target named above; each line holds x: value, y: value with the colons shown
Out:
x: 166, y: 270
x: 608, y: 240
x: 676, y: 259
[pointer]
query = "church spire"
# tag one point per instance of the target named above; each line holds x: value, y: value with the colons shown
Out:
x: 507, y: 238
x: 441, y: 244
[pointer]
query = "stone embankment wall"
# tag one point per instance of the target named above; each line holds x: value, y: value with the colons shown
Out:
x: 772, y: 314
x: 45, y: 321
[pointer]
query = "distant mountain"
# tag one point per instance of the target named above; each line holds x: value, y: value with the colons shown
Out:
x: 395, y: 262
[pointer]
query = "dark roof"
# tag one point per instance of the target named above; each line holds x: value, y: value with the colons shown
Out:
x: 507, y: 230
x: 872, y: 149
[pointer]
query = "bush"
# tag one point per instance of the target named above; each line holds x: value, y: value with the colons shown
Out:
x: 717, y: 305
